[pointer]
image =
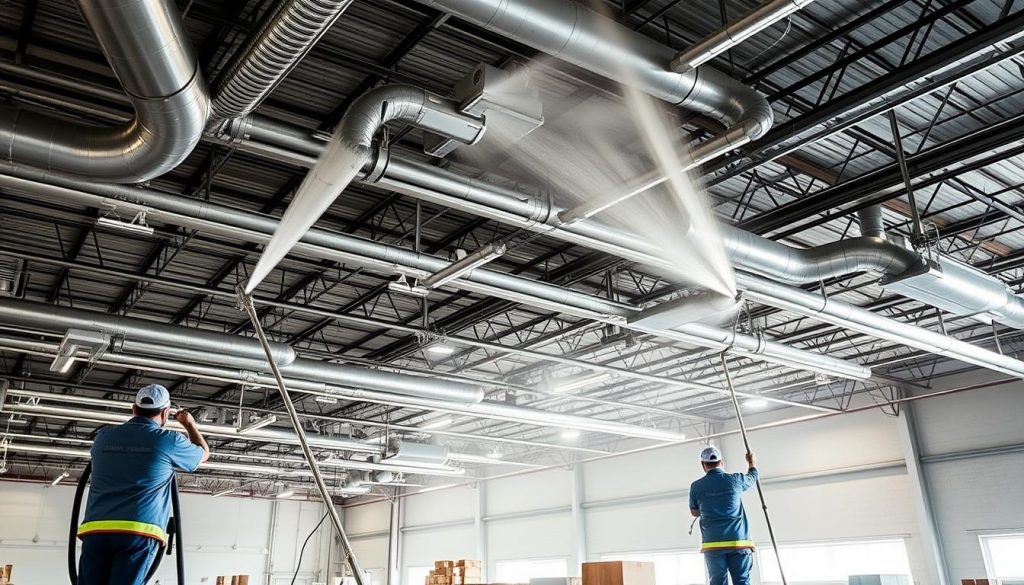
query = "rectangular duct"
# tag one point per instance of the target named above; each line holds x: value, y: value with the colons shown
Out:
x: 13, y: 277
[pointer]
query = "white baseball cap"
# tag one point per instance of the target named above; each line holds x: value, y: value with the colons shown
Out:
x: 710, y: 455
x: 154, y: 397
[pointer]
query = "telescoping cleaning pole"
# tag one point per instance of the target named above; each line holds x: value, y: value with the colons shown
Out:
x: 746, y: 445
x: 300, y: 432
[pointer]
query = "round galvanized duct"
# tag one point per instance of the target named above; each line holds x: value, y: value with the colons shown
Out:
x: 284, y: 38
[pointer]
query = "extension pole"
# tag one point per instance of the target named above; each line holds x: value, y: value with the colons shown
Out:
x: 746, y: 445
x: 321, y: 485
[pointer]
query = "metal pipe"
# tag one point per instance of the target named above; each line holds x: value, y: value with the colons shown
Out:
x: 161, y: 76
x: 872, y: 224
x: 574, y: 33
x: 285, y: 36
x: 163, y: 340
x: 735, y: 33
x: 846, y: 315
x: 57, y: 319
x: 466, y: 265
x: 300, y: 432
x: 323, y: 244
x: 917, y: 227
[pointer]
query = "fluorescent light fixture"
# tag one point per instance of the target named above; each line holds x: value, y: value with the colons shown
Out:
x: 287, y: 493
x: 135, y: 226
x: 326, y: 399
x: 437, y: 423
x: 569, y: 383
x: 356, y: 490
x: 755, y: 403
x: 495, y: 454
x: 441, y: 348
x: 465, y: 265
x: 76, y: 340
x: 570, y: 434
x: 60, y: 478
x: 402, y: 286
x: 258, y: 423
x: 225, y: 492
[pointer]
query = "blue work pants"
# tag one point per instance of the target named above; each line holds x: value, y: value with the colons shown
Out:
x: 116, y: 559
x: 737, y: 563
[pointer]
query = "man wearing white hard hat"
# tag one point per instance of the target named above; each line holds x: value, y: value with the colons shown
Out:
x: 130, y: 496
x: 717, y: 499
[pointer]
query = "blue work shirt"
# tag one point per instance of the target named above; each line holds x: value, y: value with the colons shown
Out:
x: 723, y: 521
x: 132, y: 468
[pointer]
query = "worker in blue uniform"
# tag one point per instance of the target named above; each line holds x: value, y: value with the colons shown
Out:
x: 717, y: 500
x: 130, y: 496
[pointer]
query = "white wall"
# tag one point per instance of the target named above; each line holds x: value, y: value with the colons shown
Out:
x: 838, y: 478
x: 223, y: 536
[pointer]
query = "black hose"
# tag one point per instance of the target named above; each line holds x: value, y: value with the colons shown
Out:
x: 173, y: 529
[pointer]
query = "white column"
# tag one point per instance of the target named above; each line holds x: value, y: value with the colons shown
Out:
x: 578, y: 516
x: 394, y: 575
x: 480, y: 528
x: 935, y: 558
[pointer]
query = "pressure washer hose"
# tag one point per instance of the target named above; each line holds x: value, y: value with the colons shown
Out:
x: 173, y: 530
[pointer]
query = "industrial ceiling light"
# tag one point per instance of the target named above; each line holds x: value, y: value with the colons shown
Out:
x: 756, y: 403
x: 356, y: 490
x: 570, y: 383
x: 465, y: 264
x: 76, y: 340
x: 258, y: 423
x: 441, y: 348
x: 495, y: 454
x: 59, y: 478
x: 402, y: 286
x: 570, y: 434
x: 326, y: 399
x: 225, y: 492
x: 437, y: 423
x: 285, y: 493
x: 136, y: 226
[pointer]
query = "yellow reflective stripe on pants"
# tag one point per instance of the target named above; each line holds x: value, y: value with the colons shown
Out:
x: 726, y: 544
x: 125, y: 526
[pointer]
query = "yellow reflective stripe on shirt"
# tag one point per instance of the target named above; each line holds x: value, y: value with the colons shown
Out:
x: 125, y: 526
x: 727, y: 544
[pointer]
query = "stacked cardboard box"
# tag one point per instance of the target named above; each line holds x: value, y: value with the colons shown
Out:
x: 233, y: 580
x: 462, y: 572
x: 5, y: 574
x: 618, y: 573
x: 979, y: 581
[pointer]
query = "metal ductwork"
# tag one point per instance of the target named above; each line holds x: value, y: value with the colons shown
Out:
x: 225, y: 350
x: 161, y: 76
x: 350, y: 150
x: 571, y: 32
x: 323, y: 244
x: 735, y: 33
x: 286, y: 34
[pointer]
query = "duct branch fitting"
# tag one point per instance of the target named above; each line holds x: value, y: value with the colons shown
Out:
x: 735, y: 33
x: 285, y: 36
x: 225, y: 350
x: 149, y: 52
x: 837, y: 312
x: 571, y: 32
x: 350, y: 151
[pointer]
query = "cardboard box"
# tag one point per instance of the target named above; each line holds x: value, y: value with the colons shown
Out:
x: 618, y: 573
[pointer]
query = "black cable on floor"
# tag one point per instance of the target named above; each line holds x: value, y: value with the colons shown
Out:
x: 302, y: 551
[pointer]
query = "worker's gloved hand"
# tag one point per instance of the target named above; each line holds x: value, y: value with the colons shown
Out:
x: 751, y: 460
x: 185, y: 418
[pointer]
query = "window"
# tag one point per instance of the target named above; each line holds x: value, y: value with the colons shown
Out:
x: 1002, y: 556
x: 670, y: 568
x: 417, y: 575
x: 826, y: 563
x: 521, y: 571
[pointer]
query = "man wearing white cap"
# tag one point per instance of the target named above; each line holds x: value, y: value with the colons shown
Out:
x: 717, y: 499
x: 130, y: 496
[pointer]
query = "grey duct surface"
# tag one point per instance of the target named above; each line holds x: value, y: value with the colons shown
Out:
x: 569, y: 31
x: 162, y: 79
x: 322, y: 244
x: 287, y: 33
x: 236, y: 350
